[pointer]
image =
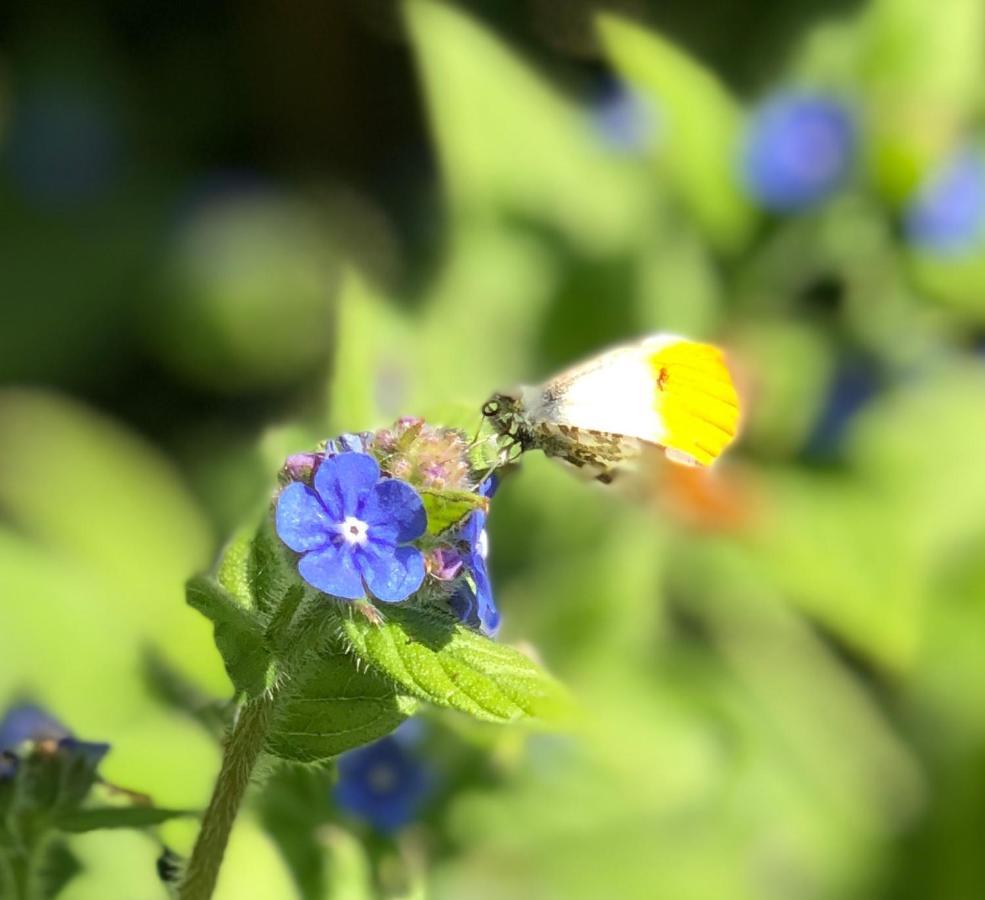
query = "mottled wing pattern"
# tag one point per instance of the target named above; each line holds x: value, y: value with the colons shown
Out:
x: 598, y: 453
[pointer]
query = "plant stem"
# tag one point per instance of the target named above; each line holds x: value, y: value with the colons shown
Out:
x: 242, y: 751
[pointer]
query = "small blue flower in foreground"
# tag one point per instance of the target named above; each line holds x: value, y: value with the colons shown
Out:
x: 353, y: 528
x: 384, y: 783
x: 798, y: 149
x: 478, y: 605
x: 947, y: 215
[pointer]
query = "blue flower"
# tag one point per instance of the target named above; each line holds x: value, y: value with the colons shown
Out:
x: 624, y: 119
x: 477, y: 606
x: 353, y: 528
x: 384, y: 783
x: 798, y: 149
x: 29, y: 723
x: 852, y: 386
x: 947, y: 214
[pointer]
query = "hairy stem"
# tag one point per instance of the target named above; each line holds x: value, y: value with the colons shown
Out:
x: 242, y: 751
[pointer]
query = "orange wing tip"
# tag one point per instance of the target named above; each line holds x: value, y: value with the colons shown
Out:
x: 696, y: 401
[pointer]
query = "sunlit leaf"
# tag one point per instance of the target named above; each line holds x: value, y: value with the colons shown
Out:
x: 434, y: 658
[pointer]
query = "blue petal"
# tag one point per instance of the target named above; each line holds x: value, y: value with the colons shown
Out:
x: 29, y: 723
x: 391, y: 575
x: 332, y: 570
x: 301, y: 521
x: 487, y: 612
x: 343, y: 481
x: 386, y: 805
x: 395, y: 503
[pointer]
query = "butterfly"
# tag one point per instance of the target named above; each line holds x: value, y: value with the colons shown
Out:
x: 663, y: 391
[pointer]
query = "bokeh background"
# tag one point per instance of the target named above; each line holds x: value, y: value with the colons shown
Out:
x: 229, y: 230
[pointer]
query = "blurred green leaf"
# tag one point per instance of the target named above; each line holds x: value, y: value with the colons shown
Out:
x: 350, y: 875
x: 507, y: 142
x: 294, y: 807
x: 238, y: 635
x: 117, y: 513
x: 373, y: 371
x: 702, y: 124
x: 332, y: 706
x: 95, y: 818
x: 430, y: 656
x: 248, y: 291
x: 922, y: 66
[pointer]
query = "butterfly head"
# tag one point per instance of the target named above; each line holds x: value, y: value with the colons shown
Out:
x: 504, y: 411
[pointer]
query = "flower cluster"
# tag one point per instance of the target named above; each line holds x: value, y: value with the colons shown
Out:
x: 355, y: 515
x: 426, y: 456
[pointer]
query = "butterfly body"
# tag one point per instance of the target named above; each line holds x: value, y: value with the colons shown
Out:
x: 663, y: 391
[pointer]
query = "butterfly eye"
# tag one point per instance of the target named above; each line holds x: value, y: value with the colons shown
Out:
x: 490, y: 408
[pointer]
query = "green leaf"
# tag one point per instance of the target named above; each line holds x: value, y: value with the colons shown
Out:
x: 333, y: 706
x: 271, y: 569
x: 238, y: 635
x: 446, y: 509
x: 919, y: 62
x: 431, y: 656
x: 234, y: 568
x: 703, y: 126
x: 58, y: 867
x: 509, y: 142
x: 83, y: 820
x: 294, y: 808
x: 375, y: 362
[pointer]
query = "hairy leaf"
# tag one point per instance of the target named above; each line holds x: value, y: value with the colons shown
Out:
x: 333, y: 706
x: 431, y: 656
x: 238, y: 634
x: 82, y: 820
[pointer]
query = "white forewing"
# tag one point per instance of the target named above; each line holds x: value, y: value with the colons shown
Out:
x: 612, y: 393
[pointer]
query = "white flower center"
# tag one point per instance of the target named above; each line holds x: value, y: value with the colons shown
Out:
x: 354, y: 531
x: 382, y: 778
x: 482, y: 544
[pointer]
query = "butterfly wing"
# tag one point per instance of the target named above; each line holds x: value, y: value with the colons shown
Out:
x: 663, y: 390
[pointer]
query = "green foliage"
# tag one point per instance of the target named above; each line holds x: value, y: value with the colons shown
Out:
x: 702, y: 121
x: 238, y: 635
x: 434, y: 658
x: 332, y: 706
x: 47, y: 797
x: 446, y: 509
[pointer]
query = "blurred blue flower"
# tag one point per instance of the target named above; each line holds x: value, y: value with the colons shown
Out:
x: 477, y: 607
x: 947, y: 213
x: 851, y: 388
x: 799, y: 148
x: 624, y: 119
x: 384, y: 783
x: 353, y: 528
x: 28, y: 722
